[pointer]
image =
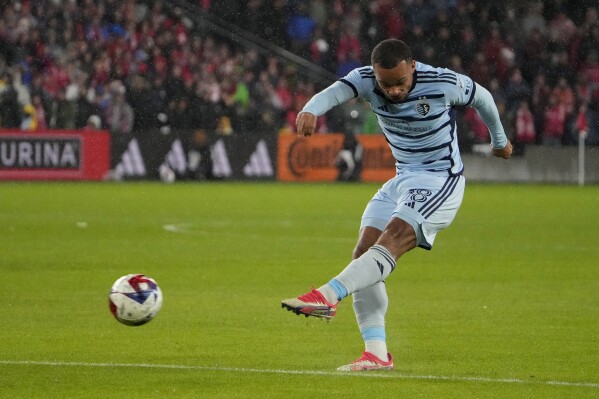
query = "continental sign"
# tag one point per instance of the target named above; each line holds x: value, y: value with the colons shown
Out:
x: 313, y: 158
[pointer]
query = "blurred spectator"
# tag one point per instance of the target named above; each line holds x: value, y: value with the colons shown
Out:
x: 29, y: 120
x: 492, y: 47
x: 10, y: 113
x: 94, y: 122
x: 516, y: 89
x: 200, y: 157
x: 224, y: 127
x: 320, y: 50
x: 554, y: 123
x: 348, y: 160
x: 348, y: 62
x: 275, y: 21
x: 479, y: 69
x: 499, y: 96
x: 477, y: 127
x: 535, y: 53
x: 389, y: 12
x: 564, y: 94
x: 319, y: 11
x: 590, y: 39
x: 40, y: 112
x: 119, y: 116
x: 467, y: 45
x: 64, y: 57
x: 561, y: 30
x: 349, y: 46
x: 590, y: 71
x: 63, y: 111
x: 560, y: 67
x: 524, y: 129
x: 418, y: 14
x: 300, y: 29
x: 533, y: 19
x: 540, y: 99
x: 144, y: 109
x: 592, y: 121
x: 179, y: 114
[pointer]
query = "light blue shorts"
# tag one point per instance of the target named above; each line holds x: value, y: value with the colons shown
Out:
x: 427, y: 201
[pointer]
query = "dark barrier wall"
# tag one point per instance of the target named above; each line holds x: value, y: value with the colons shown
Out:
x: 146, y: 154
x: 54, y: 155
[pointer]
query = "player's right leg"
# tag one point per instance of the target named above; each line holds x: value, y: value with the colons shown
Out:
x: 373, y: 265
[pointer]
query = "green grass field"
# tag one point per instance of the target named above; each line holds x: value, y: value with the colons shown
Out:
x: 505, y: 306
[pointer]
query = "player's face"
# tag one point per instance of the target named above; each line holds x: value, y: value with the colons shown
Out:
x: 396, y: 82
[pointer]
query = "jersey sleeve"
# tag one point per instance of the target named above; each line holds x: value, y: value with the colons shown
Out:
x: 460, y: 93
x: 464, y: 91
x: 335, y: 94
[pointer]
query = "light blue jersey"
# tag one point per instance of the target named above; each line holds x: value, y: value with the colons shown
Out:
x: 420, y: 130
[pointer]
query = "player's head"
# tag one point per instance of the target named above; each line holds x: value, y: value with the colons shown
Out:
x: 393, y: 68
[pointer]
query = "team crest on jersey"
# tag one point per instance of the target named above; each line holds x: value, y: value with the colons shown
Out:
x: 423, y: 107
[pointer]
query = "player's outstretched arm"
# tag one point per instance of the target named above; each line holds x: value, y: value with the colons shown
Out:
x: 305, y: 123
x: 505, y: 152
x: 320, y: 103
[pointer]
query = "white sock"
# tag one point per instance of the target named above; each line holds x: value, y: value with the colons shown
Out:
x: 329, y: 293
x: 373, y: 266
x: 378, y: 349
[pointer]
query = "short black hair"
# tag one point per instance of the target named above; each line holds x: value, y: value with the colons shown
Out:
x: 391, y: 52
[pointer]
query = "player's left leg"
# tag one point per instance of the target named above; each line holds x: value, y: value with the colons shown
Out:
x: 370, y: 304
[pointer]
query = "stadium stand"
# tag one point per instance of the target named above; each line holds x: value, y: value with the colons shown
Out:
x: 231, y: 65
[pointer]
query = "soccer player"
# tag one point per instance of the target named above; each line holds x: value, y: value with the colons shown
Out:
x: 415, y: 105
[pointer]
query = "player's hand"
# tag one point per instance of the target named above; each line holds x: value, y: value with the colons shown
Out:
x: 305, y: 123
x: 505, y: 152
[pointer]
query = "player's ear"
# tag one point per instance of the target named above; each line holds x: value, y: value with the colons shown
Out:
x: 413, y: 65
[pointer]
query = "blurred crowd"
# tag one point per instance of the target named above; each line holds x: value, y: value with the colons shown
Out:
x: 126, y: 65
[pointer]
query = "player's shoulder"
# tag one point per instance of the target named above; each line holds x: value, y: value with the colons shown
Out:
x: 365, y: 73
x: 361, y: 80
x: 455, y: 86
x: 431, y: 74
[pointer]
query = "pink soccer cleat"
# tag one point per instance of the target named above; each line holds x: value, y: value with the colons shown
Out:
x: 311, y: 304
x: 368, y: 362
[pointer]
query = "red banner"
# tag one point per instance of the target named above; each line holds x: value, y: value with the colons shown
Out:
x: 312, y: 158
x: 54, y: 155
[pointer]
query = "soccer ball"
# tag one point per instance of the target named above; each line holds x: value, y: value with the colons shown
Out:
x: 135, y: 299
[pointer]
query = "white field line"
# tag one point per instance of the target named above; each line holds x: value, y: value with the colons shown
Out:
x: 385, y: 375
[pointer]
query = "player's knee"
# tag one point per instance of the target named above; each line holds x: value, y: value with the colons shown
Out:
x: 398, y: 229
x: 398, y: 237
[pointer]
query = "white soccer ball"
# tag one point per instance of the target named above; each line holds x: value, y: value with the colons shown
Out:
x: 166, y: 174
x: 135, y: 299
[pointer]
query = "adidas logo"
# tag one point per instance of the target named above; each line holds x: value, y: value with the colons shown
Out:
x: 221, y: 167
x: 380, y: 265
x: 132, y: 163
x: 259, y: 163
x: 176, y: 159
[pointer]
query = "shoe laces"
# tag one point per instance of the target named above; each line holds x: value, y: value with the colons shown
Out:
x: 369, y: 357
x: 314, y: 296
